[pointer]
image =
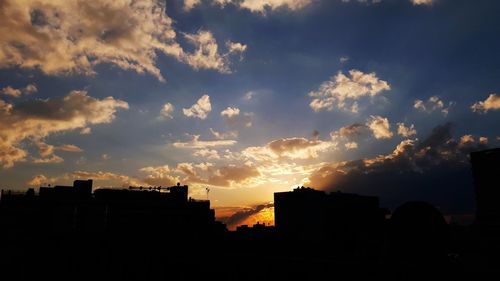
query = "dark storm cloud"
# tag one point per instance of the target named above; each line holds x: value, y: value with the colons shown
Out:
x: 436, y: 170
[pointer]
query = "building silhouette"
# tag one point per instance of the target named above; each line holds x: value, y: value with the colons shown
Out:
x: 485, y: 170
x: 347, y: 222
x: 418, y: 233
x: 165, y: 211
x: 160, y: 233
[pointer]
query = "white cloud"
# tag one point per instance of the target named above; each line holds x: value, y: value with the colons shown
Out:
x: 380, y: 127
x: 249, y: 95
x: 230, y: 112
x: 405, y: 131
x: 344, y: 59
x: 206, y: 54
x: 190, y: 4
x: 30, y: 89
x: 207, y: 153
x: 200, y: 109
x: 233, y: 117
x: 422, y: 2
x: 491, y: 103
x: 159, y: 176
x: 34, y: 120
x: 224, y: 135
x: 260, y: 6
x: 351, y: 145
x: 73, y: 36
x: 86, y: 131
x: 343, y: 92
x: 291, y: 148
x: 167, y: 111
x: 105, y: 157
x: 196, y: 143
x: 434, y: 103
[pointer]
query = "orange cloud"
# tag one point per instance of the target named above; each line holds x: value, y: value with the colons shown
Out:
x: 36, y: 119
x: 343, y: 92
x: 73, y: 36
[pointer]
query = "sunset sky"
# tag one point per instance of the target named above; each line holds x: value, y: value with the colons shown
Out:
x: 250, y: 97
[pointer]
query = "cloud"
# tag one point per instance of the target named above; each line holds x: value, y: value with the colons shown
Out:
x: 206, y: 54
x: 491, y: 103
x: 343, y: 92
x: 380, y: 127
x: 224, y: 135
x: 405, y: 131
x: 229, y: 175
x: 200, y: 109
x: 248, y: 215
x: 249, y: 95
x: 167, y: 111
x: 434, y: 103
x: 44, y: 149
x: 39, y: 180
x: 196, y: 143
x: 86, y: 131
x: 344, y: 59
x: 315, y: 135
x: 422, y: 2
x: 68, y: 37
x: 30, y: 89
x: 230, y: 112
x: 202, y: 173
x: 10, y: 91
x: 53, y: 159
x: 352, y: 130
x: 106, y: 176
x: 207, y: 153
x: 190, y: 4
x: 291, y: 148
x: 69, y: 148
x: 233, y: 117
x: 261, y: 6
x: 430, y: 170
x: 99, y: 176
x: 351, y: 145
x: 159, y: 176
x: 34, y: 120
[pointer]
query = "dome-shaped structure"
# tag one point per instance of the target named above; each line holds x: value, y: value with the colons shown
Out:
x: 417, y: 231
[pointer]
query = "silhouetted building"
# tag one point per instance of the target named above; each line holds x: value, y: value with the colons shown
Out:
x: 417, y: 233
x: 350, y: 220
x: 486, y: 170
x: 163, y: 211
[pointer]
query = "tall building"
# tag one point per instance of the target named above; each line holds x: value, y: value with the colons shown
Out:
x: 309, y: 214
x: 486, y: 172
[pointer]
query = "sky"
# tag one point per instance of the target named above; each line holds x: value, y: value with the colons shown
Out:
x: 243, y: 98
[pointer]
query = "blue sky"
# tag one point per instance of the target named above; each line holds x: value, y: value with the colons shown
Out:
x: 266, y: 61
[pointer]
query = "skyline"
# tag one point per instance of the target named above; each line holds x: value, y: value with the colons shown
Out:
x: 373, y: 97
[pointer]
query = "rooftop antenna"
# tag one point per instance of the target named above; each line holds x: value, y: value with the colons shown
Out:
x: 208, y: 191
